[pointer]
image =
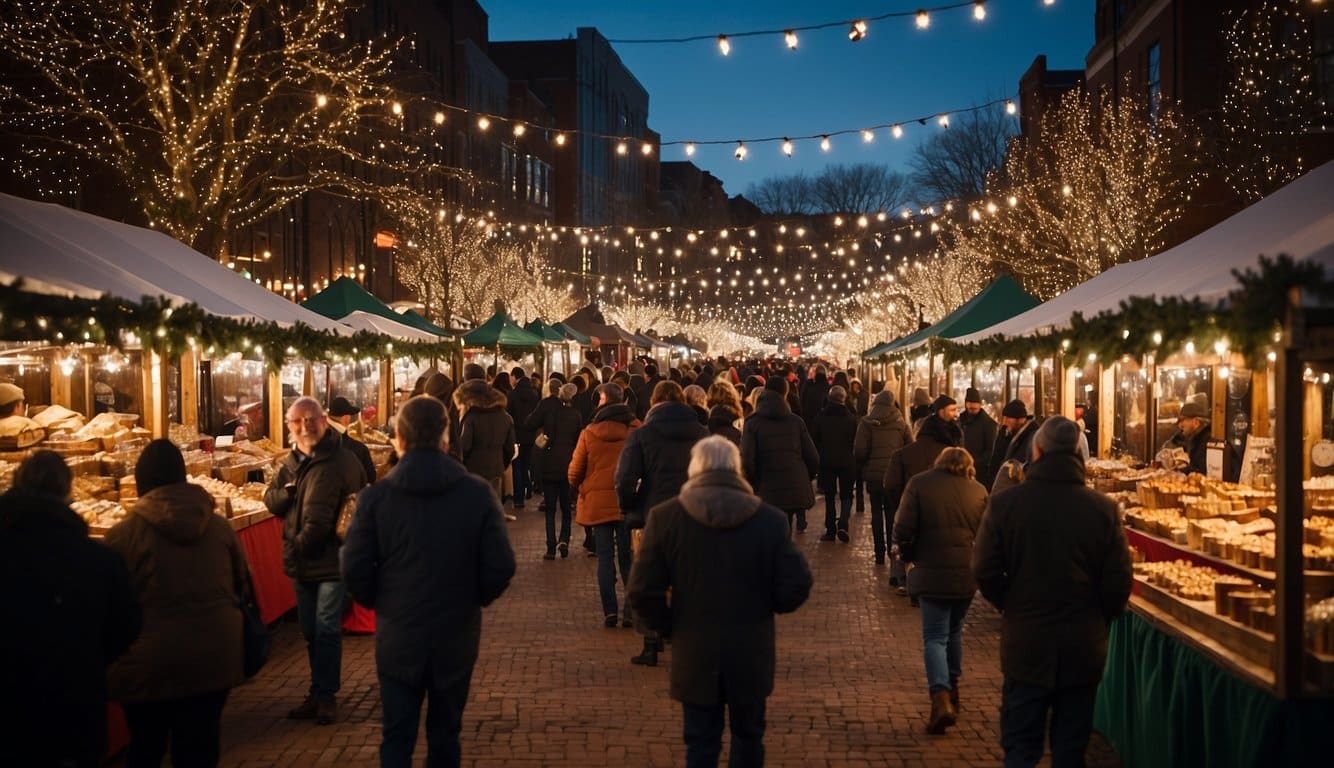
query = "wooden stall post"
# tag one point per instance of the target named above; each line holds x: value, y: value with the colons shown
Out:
x: 1288, y: 601
x: 276, y: 417
x: 386, y: 393
x: 1106, y: 406
x: 1068, y: 393
x: 155, y: 393
x: 190, y: 387
x: 308, y: 380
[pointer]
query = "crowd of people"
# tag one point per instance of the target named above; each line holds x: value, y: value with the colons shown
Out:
x: 690, y: 486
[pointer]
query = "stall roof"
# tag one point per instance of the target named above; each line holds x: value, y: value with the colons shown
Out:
x: 345, y: 296
x: 1297, y: 220
x: 547, y: 333
x: 366, y: 321
x: 61, y: 251
x: 590, y: 322
x: 571, y: 333
x: 1004, y: 298
x: 500, y: 331
x: 414, y: 319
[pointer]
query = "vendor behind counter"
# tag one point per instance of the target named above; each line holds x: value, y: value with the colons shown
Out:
x: 16, y: 429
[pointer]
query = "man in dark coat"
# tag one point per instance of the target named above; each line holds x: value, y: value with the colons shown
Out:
x: 813, y: 395
x: 1192, y: 436
x: 879, y: 436
x: 75, y: 613
x: 833, y: 431
x: 778, y: 455
x: 653, y: 463
x: 520, y: 404
x: 427, y: 550
x: 1052, y: 556
x: 306, y: 492
x: 936, y: 432
x: 486, y: 434
x: 979, y: 432
x: 729, y: 564
x: 341, y: 414
x: 1015, y: 442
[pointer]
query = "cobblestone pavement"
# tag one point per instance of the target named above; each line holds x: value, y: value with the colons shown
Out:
x: 553, y: 687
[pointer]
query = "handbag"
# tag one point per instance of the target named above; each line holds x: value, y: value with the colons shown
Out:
x: 254, y: 632
x: 345, y: 512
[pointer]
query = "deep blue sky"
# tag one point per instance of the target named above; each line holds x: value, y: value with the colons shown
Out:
x: 762, y: 89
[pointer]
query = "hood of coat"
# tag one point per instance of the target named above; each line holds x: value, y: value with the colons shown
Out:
x: 180, y: 512
x: 674, y: 421
x: 722, y: 416
x: 937, y: 429
x: 886, y: 414
x: 476, y: 393
x: 771, y: 405
x: 611, y: 430
x: 615, y: 412
x: 423, y: 472
x: 719, y: 499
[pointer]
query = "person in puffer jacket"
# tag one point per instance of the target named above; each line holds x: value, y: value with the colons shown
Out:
x: 880, y: 434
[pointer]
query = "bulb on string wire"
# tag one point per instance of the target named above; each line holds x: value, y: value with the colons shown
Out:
x: 646, y: 149
x: 979, y: 10
x: 483, y: 123
x: 787, y: 147
x: 560, y: 139
x: 724, y: 45
x: 944, y: 121
x: 1010, y: 108
x: 824, y: 143
x: 690, y: 150
x: 519, y: 129
x: 790, y: 37
x: 439, y: 118
x: 741, y: 151
x: 622, y: 148
x: 857, y: 31
x: 868, y: 136
x: 923, y: 20
x: 321, y: 100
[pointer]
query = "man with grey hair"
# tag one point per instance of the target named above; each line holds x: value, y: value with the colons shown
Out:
x: 306, y: 492
x: 1052, y: 556
x: 722, y: 626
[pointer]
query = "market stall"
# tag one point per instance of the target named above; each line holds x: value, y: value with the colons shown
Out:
x: 558, y: 349
x: 607, y: 344
x: 501, y: 335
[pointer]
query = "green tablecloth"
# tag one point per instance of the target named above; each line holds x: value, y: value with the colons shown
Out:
x: 1162, y: 703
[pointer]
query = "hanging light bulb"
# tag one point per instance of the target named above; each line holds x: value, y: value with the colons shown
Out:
x: 857, y: 31
x: 824, y: 143
x: 979, y: 10
x: 519, y: 129
x: 1010, y: 108
x: 868, y: 136
x: 741, y: 151
x: 724, y: 45
x: 897, y: 131
x: 1049, y: 2
x: 944, y: 121
x: 396, y: 108
x: 923, y: 20
x: 483, y: 122
x: 646, y: 149
x: 321, y: 100
x: 439, y: 118
x: 790, y: 37
x: 787, y: 147
x: 690, y: 150
x: 622, y: 148
x: 560, y: 139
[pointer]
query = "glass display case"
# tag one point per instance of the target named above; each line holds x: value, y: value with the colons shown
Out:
x: 1085, y: 407
x: 989, y: 382
x: 357, y: 380
x: 117, y: 381
x: 1020, y: 384
x: 1051, y: 388
x: 1130, y: 435
x: 28, y: 366
x: 1176, y: 386
x: 235, y: 397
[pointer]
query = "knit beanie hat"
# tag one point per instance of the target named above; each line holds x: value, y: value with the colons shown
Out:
x: 972, y: 396
x: 160, y: 464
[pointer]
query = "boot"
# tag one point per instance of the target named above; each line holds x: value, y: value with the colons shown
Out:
x: 649, y: 656
x: 942, y: 713
x: 954, y: 695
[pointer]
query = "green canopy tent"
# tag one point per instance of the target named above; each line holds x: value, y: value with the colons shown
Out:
x: 412, y: 318
x: 501, y: 331
x: 571, y: 333
x: 559, y: 355
x: 345, y: 296
x: 1001, y: 300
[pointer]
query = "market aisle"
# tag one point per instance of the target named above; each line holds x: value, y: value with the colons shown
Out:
x: 553, y: 687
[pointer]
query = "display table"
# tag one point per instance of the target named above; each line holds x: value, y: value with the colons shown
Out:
x: 263, y: 544
x: 1168, y: 699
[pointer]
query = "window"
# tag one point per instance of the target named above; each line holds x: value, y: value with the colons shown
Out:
x: 1153, y: 83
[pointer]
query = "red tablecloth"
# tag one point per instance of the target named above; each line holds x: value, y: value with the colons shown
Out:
x: 118, y: 732
x: 263, y: 543
x: 358, y: 619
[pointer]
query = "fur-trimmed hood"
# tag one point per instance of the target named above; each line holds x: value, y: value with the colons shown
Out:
x: 476, y: 393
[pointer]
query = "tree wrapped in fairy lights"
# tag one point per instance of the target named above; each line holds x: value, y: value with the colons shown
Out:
x: 438, y: 250
x: 211, y: 116
x: 1100, y: 185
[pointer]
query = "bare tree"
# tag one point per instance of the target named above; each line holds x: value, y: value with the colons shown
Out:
x: 954, y: 164
x: 784, y: 195
x: 859, y: 188
x: 438, y: 253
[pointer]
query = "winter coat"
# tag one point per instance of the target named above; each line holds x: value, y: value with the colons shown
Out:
x: 74, y: 612
x: 979, y: 435
x: 486, y: 431
x: 592, y: 471
x: 702, y: 414
x: 519, y: 405
x: 833, y: 430
x: 358, y: 449
x: 1196, y: 448
x: 653, y: 464
x: 730, y: 565
x: 813, y: 396
x: 427, y: 550
x: 778, y: 454
x: 879, y: 436
x: 934, y: 528
x: 188, y: 570
x: 859, y: 403
x: 722, y: 421
x: 1019, y: 445
x: 933, y: 436
x: 309, y: 510
x: 1053, y: 558
x: 560, y: 422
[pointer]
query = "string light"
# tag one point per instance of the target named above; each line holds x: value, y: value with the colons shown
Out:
x: 724, y: 45
x: 944, y: 121
x: 923, y: 20
x: 646, y: 149
x: 868, y: 136
x: 560, y: 139
x: 824, y: 143
x: 519, y: 129
x: 787, y: 147
x: 741, y: 151
x: 857, y: 31
x: 979, y: 10
x: 1010, y: 108
x: 790, y: 37
x: 483, y: 122
x: 897, y: 131
x: 690, y: 149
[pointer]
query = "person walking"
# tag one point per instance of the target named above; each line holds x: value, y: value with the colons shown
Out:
x: 306, y: 492
x: 190, y: 575
x: 78, y: 612
x: 1014, y: 443
x: 652, y: 469
x: 520, y: 404
x: 486, y: 432
x: 341, y: 414
x: 427, y: 550
x: 729, y: 563
x: 778, y: 455
x: 859, y: 402
x: 592, y: 474
x: 1052, y: 556
x: 560, y: 423
x: 934, y: 530
x: 979, y: 432
x: 879, y: 436
x: 813, y: 394
x: 833, y: 430
x: 935, y: 432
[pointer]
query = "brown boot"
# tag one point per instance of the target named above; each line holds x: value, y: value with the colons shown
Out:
x: 954, y: 696
x: 942, y: 713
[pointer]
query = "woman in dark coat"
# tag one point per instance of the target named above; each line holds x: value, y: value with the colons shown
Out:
x: 934, y: 530
x: 879, y: 436
x: 722, y: 421
x: 778, y: 454
x: 560, y: 421
x: 189, y: 570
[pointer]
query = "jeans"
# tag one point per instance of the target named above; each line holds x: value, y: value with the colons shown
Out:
x: 522, y: 483
x: 613, y: 547
x: 557, y: 491
x: 837, y: 482
x: 402, y: 705
x: 1024, y: 715
x: 192, y: 724
x: 942, y: 641
x: 319, y: 610
x: 879, y: 513
x: 704, y: 734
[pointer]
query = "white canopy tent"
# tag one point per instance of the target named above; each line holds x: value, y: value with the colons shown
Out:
x: 61, y: 251
x: 365, y: 321
x: 1297, y: 220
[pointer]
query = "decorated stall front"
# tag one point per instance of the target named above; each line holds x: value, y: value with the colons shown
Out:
x: 500, y: 340
x: 559, y: 350
x: 607, y: 344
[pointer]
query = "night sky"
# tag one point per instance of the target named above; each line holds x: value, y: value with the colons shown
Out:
x: 897, y: 73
